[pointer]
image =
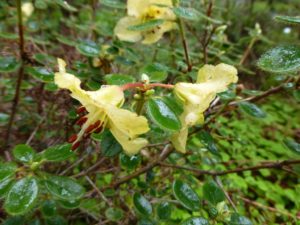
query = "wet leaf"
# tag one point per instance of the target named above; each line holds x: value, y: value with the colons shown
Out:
x: 24, y: 153
x: 142, y: 205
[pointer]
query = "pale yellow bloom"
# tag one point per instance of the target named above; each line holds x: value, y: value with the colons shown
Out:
x: 141, y: 11
x: 27, y: 10
x: 103, y: 110
x: 197, y: 97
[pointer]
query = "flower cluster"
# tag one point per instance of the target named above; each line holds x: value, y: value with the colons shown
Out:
x: 140, y: 12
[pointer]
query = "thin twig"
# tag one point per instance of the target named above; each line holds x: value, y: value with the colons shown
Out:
x: 97, y: 190
x: 219, y: 183
x: 185, y: 46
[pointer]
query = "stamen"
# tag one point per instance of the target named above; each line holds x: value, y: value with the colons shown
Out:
x: 97, y: 123
x: 89, y: 129
x: 81, y: 109
x: 72, y: 138
x: 75, y: 145
x: 81, y: 121
x: 98, y: 130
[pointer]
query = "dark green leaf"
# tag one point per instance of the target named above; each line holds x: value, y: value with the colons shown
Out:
x: 252, y: 109
x: 142, y: 205
x: 288, y: 19
x: 186, y: 195
x: 64, y: 187
x: 48, y: 208
x: 57, y: 220
x: 21, y: 196
x: 149, y: 25
x: 16, y: 220
x: 23, y: 153
x: 72, y: 204
x: 195, y: 221
x: 292, y: 145
x: 8, y: 64
x: 212, y: 193
x: 187, y: 13
x: 110, y: 147
x: 236, y: 219
x: 296, y: 94
x: 57, y: 153
x: 41, y: 73
x: 114, y: 214
x: 282, y: 59
x: 114, y: 4
x: 161, y: 114
x: 145, y: 221
x: 129, y: 162
x: 156, y: 72
x: 208, y: 141
x: 65, y: 5
x: 118, y: 79
x: 88, y: 48
x: 164, y: 211
x: 44, y: 59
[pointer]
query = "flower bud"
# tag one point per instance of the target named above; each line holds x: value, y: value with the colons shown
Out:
x: 150, y: 92
x: 137, y: 97
x: 145, y: 79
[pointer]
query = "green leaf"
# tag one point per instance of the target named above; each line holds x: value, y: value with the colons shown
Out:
x: 88, y: 48
x: 174, y: 104
x: 195, y: 221
x: 208, y: 141
x: 23, y: 153
x: 296, y: 94
x: 282, y: 59
x: 57, y: 153
x: 162, y: 115
x: 156, y: 72
x: 288, y: 19
x: 252, y: 109
x: 44, y: 59
x: 41, y: 73
x: 129, y: 162
x: 114, y: 4
x: 110, y: 147
x: 65, y: 5
x: 56, y: 220
x: 187, y: 13
x: 9, y: 64
x: 212, y: 193
x: 149, y: 25
x: 118, y: 79
x: 72, y: 204
x: 236, y: 219
x: 16, y: 220
x: 142, y: 205
x: 21, y: 196
x: 48, y: 208
x: 145, y: 221
x: 186, y: 195
x: 292, y: 145
x: 114, y: 214
x: 64, y: 188
x: 164, y: 211
x: 4, y: 118
x: 7, y: 176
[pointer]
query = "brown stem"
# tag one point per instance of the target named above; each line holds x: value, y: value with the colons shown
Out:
x: 20, y: 75
x: 198, y: 172
x: 185, y: 46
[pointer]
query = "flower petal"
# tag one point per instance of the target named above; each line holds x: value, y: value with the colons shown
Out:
x: 179, y: 139
x: 154, y: 35
x: 108, y: 95
x: 122, y: 32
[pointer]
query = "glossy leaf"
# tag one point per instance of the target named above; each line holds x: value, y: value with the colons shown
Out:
x: 41, y: 73
x: 21, y: 196
x: 129, y: 162
x: 195, y: 221
x: 64, y: 187
x: 282, y: 59
x: 164, y: 211
x: 156, y: 72
x: 212, y: 193
x: 114, y: 4
x: 114, y: 214
x: 44, y: 59
x: 208, y: 141
x: 187, y: 13
x: 163, y: 115
x: 186, y: 195
x: 118, y: 79
x: 292, y: 145
x: 149, y: 25
x: 142, y: 205
x: 8, y: 64
x: 23, y: 153
x: 48, y: 208
x: 110, y: 147
x: 65, y: 5
x: 57, y: 153
x: 288, y: 19
x: 252, y: 109
x: 88, y: 48
x: 236, y: 219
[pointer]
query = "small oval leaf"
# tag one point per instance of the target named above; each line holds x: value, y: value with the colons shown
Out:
x: 142, y: 205
x: 57, y: 153
x: 252, y: 109
x: 208, y: 141
x: 292, y: 145
x: 236, y: 219
x: 23, y: 153
x: 88, y: 48
x: 118, y: 79
x: 164, y: 211
x: 212, y: 193
x: 288, y: 19
x: 282, y: 59
x: 114, y: 214
x: 163, y: 115
x: 8, y: 64
x: 21, y: 196
x: 41, y: 73
x: 186, y: 195
x: 187, y: 13
x: 114, y: 4
x: 129, y: 162
x: 195, y: 221
x: 64, y: 187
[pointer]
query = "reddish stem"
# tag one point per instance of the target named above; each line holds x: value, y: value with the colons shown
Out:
x: 146, y: 86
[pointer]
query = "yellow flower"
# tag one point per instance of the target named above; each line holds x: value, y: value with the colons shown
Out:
x: 103, y: 110
x: 197, y: 97
x: 27, y: 10
x: 141, y: 11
